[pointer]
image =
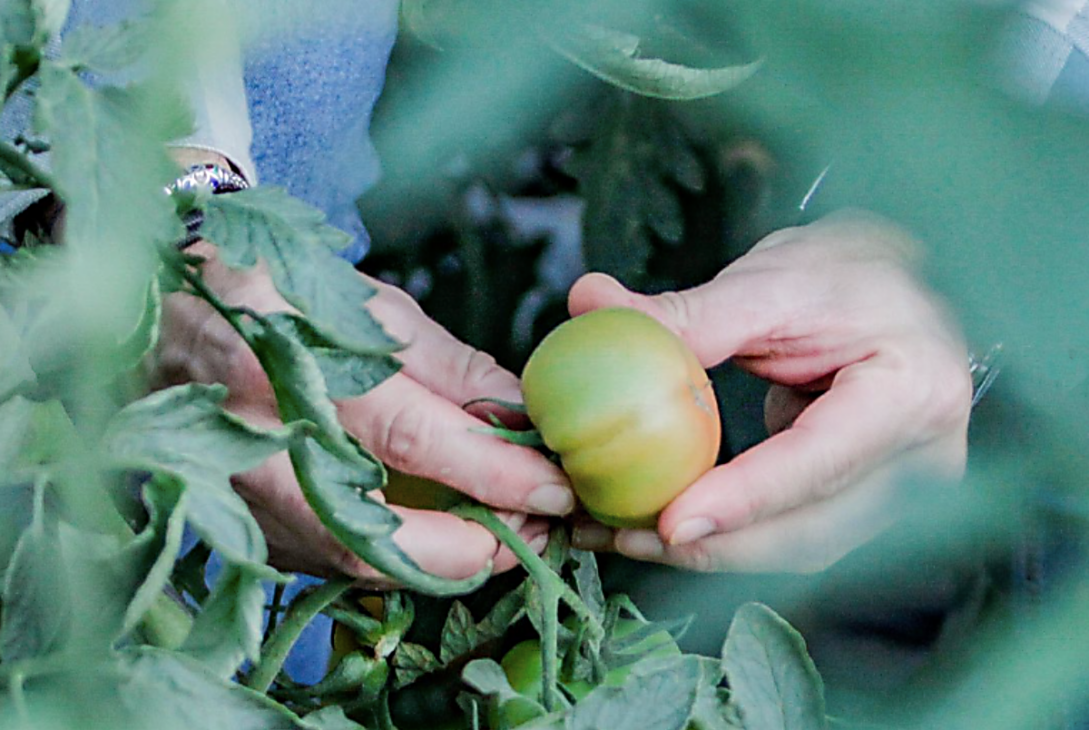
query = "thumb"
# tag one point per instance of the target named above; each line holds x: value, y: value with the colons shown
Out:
x: 696, y: 315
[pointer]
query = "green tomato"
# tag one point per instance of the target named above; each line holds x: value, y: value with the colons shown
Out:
x: 628, y: 408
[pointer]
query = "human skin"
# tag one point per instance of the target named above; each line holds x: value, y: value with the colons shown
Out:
x: 869, y: 385
x: 413, y: 422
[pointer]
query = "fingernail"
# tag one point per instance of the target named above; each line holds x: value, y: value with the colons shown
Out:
x: 551, y: 499
x: 692, y: 530
x: 591, y: 536
x: 640, y: 544
x: 539, y: 543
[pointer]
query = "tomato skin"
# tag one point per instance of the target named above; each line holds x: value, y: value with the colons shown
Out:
x: 628, y: 408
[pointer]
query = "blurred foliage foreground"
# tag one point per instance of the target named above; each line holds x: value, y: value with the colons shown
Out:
x: 655, y: 141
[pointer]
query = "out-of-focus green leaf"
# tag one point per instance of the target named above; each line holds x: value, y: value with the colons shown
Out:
x: 163, y: 685
x: 630, y: 173
x: 183, y: 431
x: 32, y: 22
x: 659, y: 694
x: 299, y: 248
x: 330, y: 718
x: 109, y: 48
x: 157, y: 545
x: 772, y: 679
x: 15, y: 370
x: 229, y: 628
x: 347, y: 374
x: 36, y: 612
x: 613, y: 56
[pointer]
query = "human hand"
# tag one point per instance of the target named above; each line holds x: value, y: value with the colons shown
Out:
x: 412, y: 423
x: 870, y: 385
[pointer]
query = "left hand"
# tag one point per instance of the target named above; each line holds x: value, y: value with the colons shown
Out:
x: 870, y: 385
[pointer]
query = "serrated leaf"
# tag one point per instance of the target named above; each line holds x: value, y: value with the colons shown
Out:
x: 503, y: 614
x: 183, y: 432
x: 630, y: 186
x: 363, y: 525
x: 412, y: 661
x: 347, y: 374
x: 459, y: 635
x: 588, y: 581
x: 229, y: 628
x: 299, y: 248
x: 772, y: 679
x: 613, y: 56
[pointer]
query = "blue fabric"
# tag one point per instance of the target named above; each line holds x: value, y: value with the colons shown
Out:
x: 311, y: 95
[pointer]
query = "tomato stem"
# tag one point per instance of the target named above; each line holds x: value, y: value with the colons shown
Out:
x: 298, y: 617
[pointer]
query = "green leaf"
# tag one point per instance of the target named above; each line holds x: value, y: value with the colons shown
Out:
x: 347, y: 374
x: 159, y: 543
x: 487, y: 677
x: 772, y: 679
x: 229, y: 628
x: 588, y: 581
x: 15, y: 370
x: 105, y: 48
x: 181, y: 693
x: 412, y: 661
x: 459, y: 634
x: 613, y: 56
x: 32, y: 22
x: 629, y: 172
x: 330, y: 718
x: 659, y: 694
x: 16, y: 514
x: 299, y: 248
x: 36, y: 611
x: 183, y: 432
x: 362, y: 525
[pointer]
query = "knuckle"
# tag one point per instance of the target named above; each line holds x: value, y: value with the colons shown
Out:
x: 474, y: 369
x: 405, y: 437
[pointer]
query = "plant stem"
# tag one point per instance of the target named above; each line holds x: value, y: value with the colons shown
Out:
x: 300, y: 614
x: 14, y: 161
x: 552, y: 589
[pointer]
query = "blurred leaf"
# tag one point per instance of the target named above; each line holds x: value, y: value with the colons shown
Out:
x: 163, y: 685
x: 330, y: 718
x: 183, y: 431
x: 108, y: 48
x: 32, y: 22
x: 229, y: 628
x: 659, y: 694
x: 188, y: 575
x: 36, y: 611
x: 15, y: 370
x: 459, y: 634
x: 347, y: 374
x: 16, y: 512
x: 772, y: 679
x: 487, y: 677
x: 629, y: 172
x: 299, y: 248
x: 613, y: 56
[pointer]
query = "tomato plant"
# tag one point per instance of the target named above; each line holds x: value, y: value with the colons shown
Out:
x: 628, y: 408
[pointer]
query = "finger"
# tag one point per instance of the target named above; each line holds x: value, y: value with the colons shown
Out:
x: 756, y: 305
x: 440, y: 543
x: 437, y: 359
x: 413, y: 430
x: 865, y: 420
x: 804, y: 540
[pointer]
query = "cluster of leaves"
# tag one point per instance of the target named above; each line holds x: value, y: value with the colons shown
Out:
x: 96, y: 489
x: 763, y: 678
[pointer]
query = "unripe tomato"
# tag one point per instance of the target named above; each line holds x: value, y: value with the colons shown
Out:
x: 628, y: 408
